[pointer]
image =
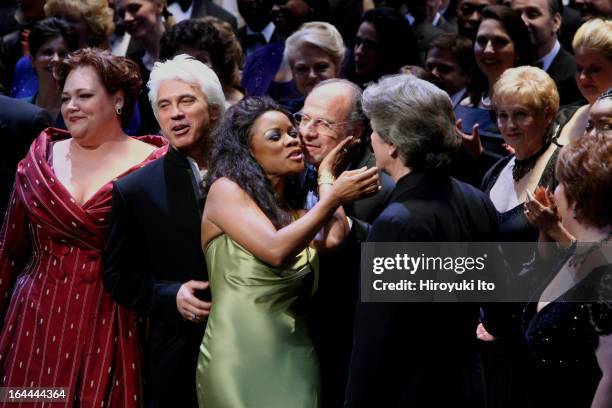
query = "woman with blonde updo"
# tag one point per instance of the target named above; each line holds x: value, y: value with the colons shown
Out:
x: 593, y: 50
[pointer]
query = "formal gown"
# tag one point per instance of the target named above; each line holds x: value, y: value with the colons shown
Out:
x: 563, y: 337
x: 61, y: 328
x: 507, y: 361
x: 256, y: 350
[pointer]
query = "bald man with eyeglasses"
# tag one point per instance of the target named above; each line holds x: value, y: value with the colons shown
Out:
x: 331, y: 113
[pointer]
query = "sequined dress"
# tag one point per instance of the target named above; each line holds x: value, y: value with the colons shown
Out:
x: 563, y: 337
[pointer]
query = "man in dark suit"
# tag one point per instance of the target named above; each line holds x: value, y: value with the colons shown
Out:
x: 419, y: 354
x: 259, y: 29
x: 20, y: 124
x: 338, y: 103
x: 543, y: 20
x: 154, y: 263
x: 186, y: 9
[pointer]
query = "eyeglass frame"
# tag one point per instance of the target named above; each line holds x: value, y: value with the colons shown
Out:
x: 298, y: 116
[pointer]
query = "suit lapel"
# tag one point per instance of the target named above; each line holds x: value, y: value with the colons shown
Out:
x: 200, y: 9
x: 181, y: 198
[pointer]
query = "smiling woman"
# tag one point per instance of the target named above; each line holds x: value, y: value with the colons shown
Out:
x: 49, y: 41
x: 82, y: 340
x: 526, y: 100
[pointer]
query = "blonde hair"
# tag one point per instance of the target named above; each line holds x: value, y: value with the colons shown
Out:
x: 595, y: 34
x: 530, y: 85
x: 97, y: 15
x: 320, y: 34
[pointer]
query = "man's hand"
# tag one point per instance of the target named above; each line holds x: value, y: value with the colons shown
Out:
x: 188, y: 305
x: 471, y: 142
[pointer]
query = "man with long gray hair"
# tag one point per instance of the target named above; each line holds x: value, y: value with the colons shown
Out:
x: 419, y: 354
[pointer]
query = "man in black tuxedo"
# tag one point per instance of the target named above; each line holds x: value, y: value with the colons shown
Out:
x: 154, y: 263
x: 419, y: 354
x: 20, y: 124
x: 543, y: 20
x: 186, y: 9
x: 338, y: 103
x: 259, y: 29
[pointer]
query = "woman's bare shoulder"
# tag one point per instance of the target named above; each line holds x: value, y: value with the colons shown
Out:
x: 139, y: 147
x: 226, y: 188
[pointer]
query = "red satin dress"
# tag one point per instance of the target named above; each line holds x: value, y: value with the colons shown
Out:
x: 61, y: 328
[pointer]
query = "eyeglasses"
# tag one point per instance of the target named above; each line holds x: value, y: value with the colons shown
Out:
x: 320, y: 125
x: 467, y: 9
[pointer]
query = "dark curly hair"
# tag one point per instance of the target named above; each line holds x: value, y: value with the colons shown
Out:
x: 197, y: 34
x: 115, y: 73
x: 230, y: 157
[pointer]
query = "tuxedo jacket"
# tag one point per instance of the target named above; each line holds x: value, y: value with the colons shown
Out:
x: 422, y: 354
x: 562, y: 70
x: 154, y: 247
x: 20, y: 124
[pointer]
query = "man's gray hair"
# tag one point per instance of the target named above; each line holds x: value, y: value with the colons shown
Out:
x: 417, y: 118
x: 187, y: 69
x: 356, y: 113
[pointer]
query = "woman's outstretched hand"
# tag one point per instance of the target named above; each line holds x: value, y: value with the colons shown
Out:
x: 471, y: 142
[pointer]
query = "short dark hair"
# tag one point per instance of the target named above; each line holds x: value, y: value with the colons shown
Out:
x: 116, y: 74
x: 588, y: 158
x: 50, y: 28
x: 460, y: 47
x: 555, y: 6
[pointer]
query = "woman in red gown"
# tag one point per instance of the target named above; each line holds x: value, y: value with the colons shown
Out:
x: 59, y: 327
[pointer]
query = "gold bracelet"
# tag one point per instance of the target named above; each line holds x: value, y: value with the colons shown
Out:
x: 325, y: 178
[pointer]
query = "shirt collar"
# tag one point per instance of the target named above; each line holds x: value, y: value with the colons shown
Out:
x: 178, y: 13
x: 436, y: 19
x: 547, y: 60
x: 266, y: 32
x: 457, y: 97
x: 148, y: 61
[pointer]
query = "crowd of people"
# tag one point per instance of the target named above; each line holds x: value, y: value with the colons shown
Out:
x: 186, y: 187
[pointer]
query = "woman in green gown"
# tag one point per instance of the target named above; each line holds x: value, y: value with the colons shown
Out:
x: 261, y: 254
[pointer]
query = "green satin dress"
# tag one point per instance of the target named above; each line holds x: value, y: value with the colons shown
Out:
x: 257, y: 352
